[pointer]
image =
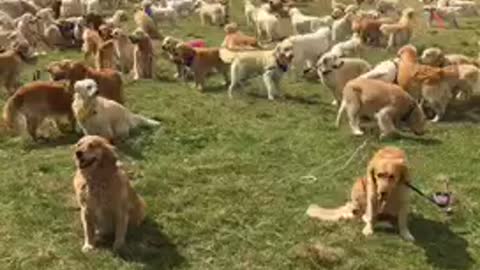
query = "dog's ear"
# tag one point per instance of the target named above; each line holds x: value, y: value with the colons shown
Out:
x: 404, y: 173
x: 109, y: 156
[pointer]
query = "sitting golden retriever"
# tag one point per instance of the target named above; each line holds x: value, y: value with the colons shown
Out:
x: 381, y: 195
x: 386, y: 102
x: 108, y: 203
x: 100, y: 116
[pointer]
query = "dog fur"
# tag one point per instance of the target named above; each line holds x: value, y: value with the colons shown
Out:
x: 435, y: 57
x: 124, y: 49
x: 271, y: 64
x: 109, y: 81
x: 236, y: 40
x: 108, y: 203
x: 404, y: 27
x: 388, y: 103
x: 100, y: 116
x: 12, y: 62
x: 143, y: 55
x: 36, y: 101
x: 381, y: 194
x: 335, y: 72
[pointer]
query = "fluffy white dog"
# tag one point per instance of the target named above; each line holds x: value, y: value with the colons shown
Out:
x: 384, y: 71
x: 303, y: 24
x: 104, y: 117
x: 309, y: 47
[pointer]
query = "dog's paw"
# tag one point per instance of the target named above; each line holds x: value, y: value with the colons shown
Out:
x: 407, y: 236
x: 367, y: 230
x: 87, y: 248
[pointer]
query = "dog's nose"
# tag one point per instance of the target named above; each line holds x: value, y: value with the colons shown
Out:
x: 79, y: 154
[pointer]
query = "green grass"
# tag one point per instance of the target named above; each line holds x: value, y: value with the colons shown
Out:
x: 227, y: 182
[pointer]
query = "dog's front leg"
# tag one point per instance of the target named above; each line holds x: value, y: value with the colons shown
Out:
x: 269, y: 83
x: 371, y: 209
x: 403, y: 223
x: 88, y: 229
x: 121, y: 225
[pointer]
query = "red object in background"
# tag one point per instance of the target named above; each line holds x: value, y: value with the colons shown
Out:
x: 198, y: 43
x: 438, y: 19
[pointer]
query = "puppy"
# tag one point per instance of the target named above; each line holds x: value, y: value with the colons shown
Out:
x: 36, y: 101
x: 124, y: 49
x: 236, y: 40
x: 200, y: 61
x: 109, y: 81
x: 386, y: 102
x: 335, y: 72
x: 271, y: 64
x: 108, y: 203
x: 143, y: 55
x: 100, y: 116
x: 11, y: 64
x: 382, y: 194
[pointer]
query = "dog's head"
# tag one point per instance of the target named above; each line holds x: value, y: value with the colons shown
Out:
x: 138, y: 36
x: 407, y: 51
x: 408, y: 13
x: 432, y: 56
x: 284, y: 52
x: 183, y: 54
x: 386, y: 171
x: 87, y: 89
x: 121, y: 15
x: 328, y: 63
x: 231, y: 28
x: 94, y: 152
x: 169, y: 43
x: 58, y: 70
x: 23, y: 49
x: 337, y: 13
x: 118, y: 33
x: 417, y: 121
x: 105, y: 31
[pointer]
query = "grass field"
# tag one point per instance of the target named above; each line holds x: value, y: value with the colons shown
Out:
x: 228, y: 181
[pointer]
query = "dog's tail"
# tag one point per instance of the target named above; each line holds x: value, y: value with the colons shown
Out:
x: 139, y: 120
x: 343, y: 212
x: 10, y: 111
x: 137, y: 211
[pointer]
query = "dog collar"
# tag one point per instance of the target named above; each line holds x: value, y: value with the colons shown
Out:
x: 189, y: 60
x: 85, y: 113
x: 148, y: 11
x: 283, y: 68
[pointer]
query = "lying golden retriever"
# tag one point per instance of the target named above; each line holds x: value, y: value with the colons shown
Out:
x: 108, y: 203
x: 386, y: 102
x: 100, y: 116
x: 381, y: 195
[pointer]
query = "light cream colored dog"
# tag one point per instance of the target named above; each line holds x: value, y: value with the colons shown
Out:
x: 100, y: 116
x: 271, y: 64
x: 108, y: 203
x: 335, y: 72
x: 382, y: 195
x: 214, y: 13
x: 386, y: 102
x: 124, y: 49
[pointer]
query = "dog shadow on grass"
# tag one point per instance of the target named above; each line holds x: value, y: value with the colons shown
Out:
x: 444, y: 249
x: 149, y: 246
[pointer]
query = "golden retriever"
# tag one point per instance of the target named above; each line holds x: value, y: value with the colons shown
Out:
x: 386, y: 102
x: 381, y: 195
x: 36, y: 101
x: 108, y: 203
x: 100, y: 116
x: 11, y: 64
x: 143, y: 55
